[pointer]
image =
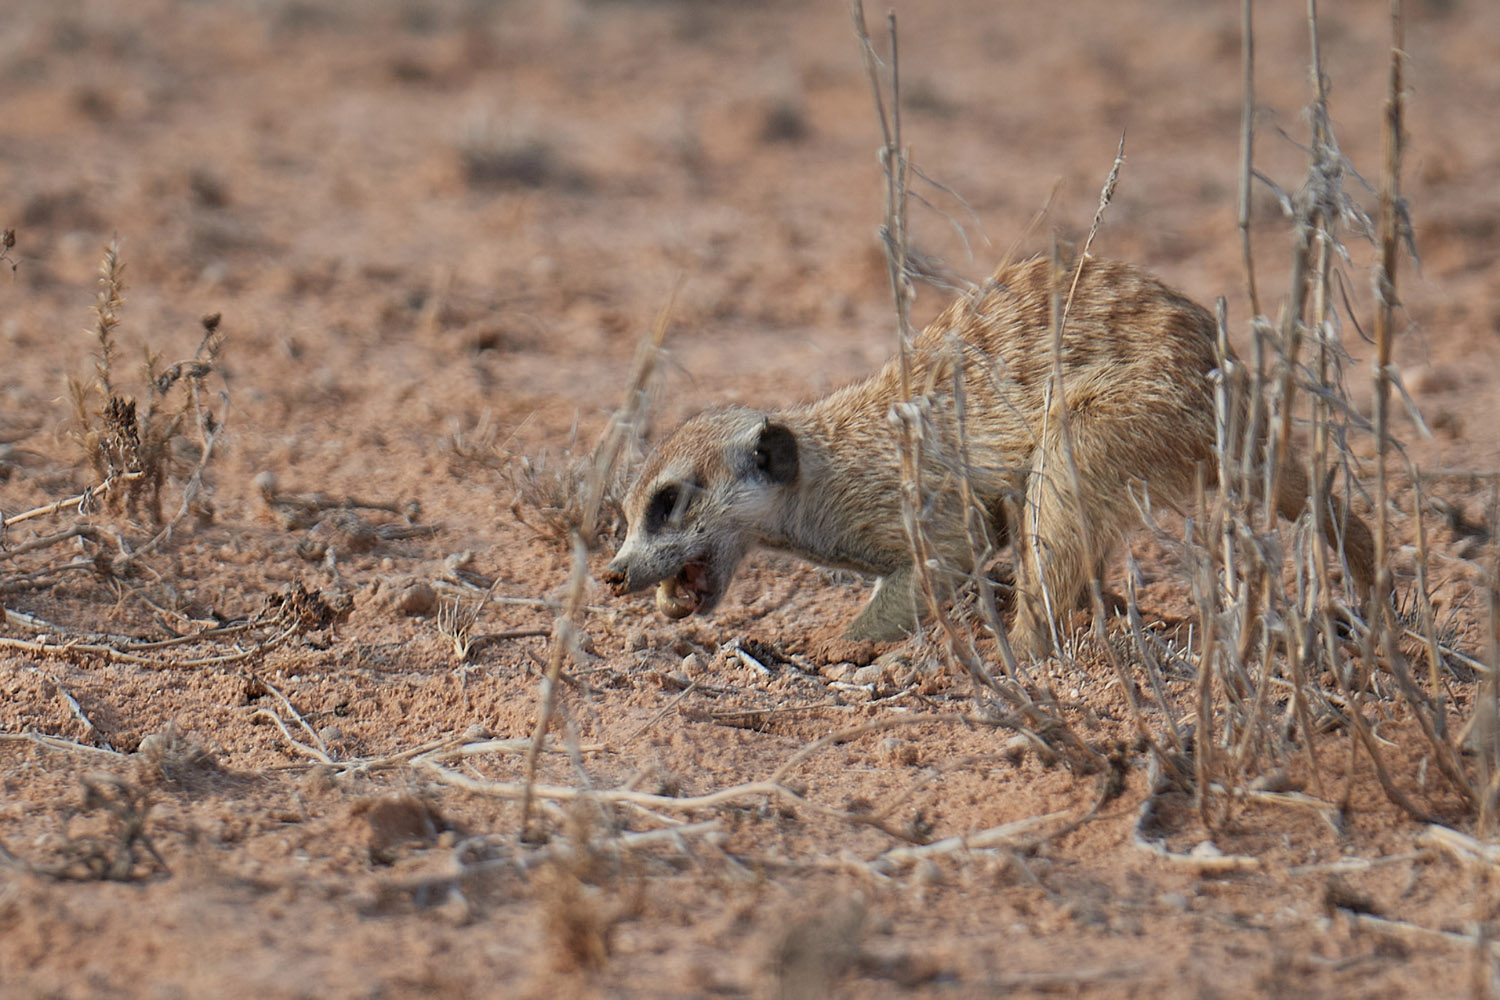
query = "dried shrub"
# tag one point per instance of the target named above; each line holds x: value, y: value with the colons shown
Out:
x: 550, y: 495
x: 143, y: 441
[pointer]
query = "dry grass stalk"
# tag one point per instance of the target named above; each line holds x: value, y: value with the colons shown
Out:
x: 123, y: 433
x: 285, y: 614
x: 1238, y: 557
x: 626, y: 423
x: 1485, y: 728
x: 1247, y: 148
x: 1005, y: 836
x: 564, y: 637
x: 1059, y: 407
x: 84, y: 502
x: 136, y: 448
x: 915, y: 431
x: 775, y: 786
x: 573, y: 493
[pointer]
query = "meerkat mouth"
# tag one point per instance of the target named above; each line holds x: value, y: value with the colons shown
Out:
x: 683, y: 594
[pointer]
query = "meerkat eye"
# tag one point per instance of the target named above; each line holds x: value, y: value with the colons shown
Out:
x: 666, y: 505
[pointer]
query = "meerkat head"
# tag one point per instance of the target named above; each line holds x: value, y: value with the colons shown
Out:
x: 715, y: 487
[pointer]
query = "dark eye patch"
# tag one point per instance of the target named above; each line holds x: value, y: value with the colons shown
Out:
x: 667, y: 504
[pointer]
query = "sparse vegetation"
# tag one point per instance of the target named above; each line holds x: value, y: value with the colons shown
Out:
x: 324, y: 671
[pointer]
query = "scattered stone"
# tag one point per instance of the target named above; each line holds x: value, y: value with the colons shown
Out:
x: 1014, y: 750
x: 267, y: 483
x: 406, y: 595
x: 396, y: 823
x: 837, y: 671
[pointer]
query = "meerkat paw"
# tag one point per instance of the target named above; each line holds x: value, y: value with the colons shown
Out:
x: 1030, y: 638
x: 891, y: 614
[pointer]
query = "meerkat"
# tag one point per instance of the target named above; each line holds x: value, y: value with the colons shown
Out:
x: 823, y: 480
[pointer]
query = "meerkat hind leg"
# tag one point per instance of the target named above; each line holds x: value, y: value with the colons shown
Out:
x: 892, y: 611
x: 1057, y: 555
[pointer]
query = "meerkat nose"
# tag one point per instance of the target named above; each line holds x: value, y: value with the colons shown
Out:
x: 616, y: 575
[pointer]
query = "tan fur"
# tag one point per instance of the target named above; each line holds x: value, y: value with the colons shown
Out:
x: 823, y: 479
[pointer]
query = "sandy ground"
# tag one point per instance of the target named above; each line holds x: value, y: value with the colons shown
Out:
x: 436, y: 232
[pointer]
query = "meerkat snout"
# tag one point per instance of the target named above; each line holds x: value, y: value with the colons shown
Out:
x: 696, y: 510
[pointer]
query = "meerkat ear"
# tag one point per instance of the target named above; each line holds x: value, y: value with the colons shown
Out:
x: 776, y: 453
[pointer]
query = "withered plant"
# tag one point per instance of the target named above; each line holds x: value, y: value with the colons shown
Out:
x: 141, y: 440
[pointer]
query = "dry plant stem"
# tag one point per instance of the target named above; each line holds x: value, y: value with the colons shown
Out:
x: 513, y: 790
x: 17, y: 619
x: 36, y: 577
x: 1390, y: 193
x: 1247, y: 148
x: 1301, y: 711
x: 1057, y: 407
x: 562, y: 639
x: 1429, y: 617
x: 1466, y: 849
x: 287, y: 702
x: 661, y: 713
x: 675, y: 835
x: 907, y: 416
x: 78, y: 712
x: 66, y: 648
x: 1227, y: 393
x: 1005, y: 835
x: 1305, y: 226
x: 1417, y: 934
x: 1487, y: 705
x: 434, y: 752
x: 1427, y: 713
x: 83, y: 501
x: 1205, y: 865
x: 313, y: 503
x: 913, y: 427
x: 55, y: 743
x: 318, y: 755
x: 208, y: 436
x: 1148, y: 660
x: 1320, y: 321
x: 1367, y: 740
x: 47, y: 541
x: 1362, y: 864
x: 894, y: 163
x: 624, y: 420
x: 512, y: 746
x: 1207, y: 602
x: 1074, y: 750
x: 1106, y: 194
x: 974, y: 525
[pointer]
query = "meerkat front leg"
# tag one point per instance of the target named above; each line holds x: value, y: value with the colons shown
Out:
x: 892, y: 611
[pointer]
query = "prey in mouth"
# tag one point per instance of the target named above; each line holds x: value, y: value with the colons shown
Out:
x: 684, y: 594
